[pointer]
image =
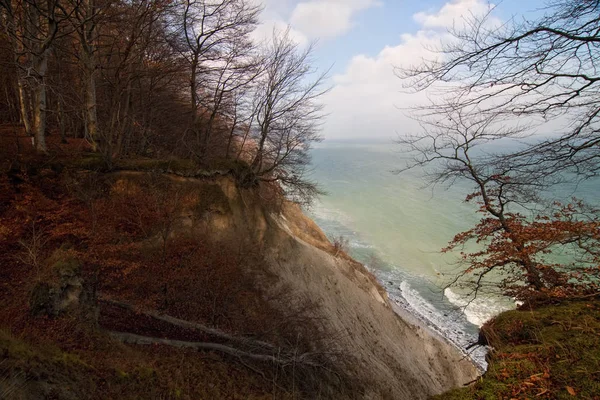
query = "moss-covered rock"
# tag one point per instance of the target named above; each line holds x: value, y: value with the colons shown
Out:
x: 62, y: 290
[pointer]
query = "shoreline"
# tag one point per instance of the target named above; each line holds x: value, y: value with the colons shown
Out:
x: 420, y: 323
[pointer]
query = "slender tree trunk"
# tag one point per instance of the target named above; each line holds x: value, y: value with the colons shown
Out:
x: 91, y: 106
x: 12, y: 107
x: 231, y: 134
x: 60, y: 114
x: 125, y: 125
x: 87, y: 36
x: 61, y: 120
x: 24, y: 105
x: 243, y: 144
x: 17, y: 38
x: 40, y: 102
x: 194, y: 90
x: 258, y: 160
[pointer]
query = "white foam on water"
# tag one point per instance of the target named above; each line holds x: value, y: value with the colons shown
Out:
x: 418, y: 303
x: 357, y: 244
x: 479, y: 310
x: 330, y: 214
x: 449, y: 323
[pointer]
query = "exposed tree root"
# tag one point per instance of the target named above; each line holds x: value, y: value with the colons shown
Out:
x: 253, y: 349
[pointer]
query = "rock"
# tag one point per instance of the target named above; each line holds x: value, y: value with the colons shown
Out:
x: 64, y: 292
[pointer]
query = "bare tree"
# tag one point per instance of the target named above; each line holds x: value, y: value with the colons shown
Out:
x: 33, y: 27
x: 227, y: 81
x: 543, y: 71
x: 85, y: 20
x: 287, y: 117
x: 33, y: 247
x: 512, y: 249
x: 207, y: 28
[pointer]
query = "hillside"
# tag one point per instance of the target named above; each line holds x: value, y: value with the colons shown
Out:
x: 158, y: 280
x: 552, y: 352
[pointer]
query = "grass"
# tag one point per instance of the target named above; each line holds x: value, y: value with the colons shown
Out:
x: 33, y: 368
x: 549, y: 353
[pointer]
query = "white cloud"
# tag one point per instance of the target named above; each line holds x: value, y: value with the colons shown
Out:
x: 309, y: 19
x: 327, y: 18
x: 366, y: 98
x: 264, y: 32
x: 451, y: 13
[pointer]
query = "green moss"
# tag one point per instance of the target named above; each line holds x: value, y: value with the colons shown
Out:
x: 122, y: 375
x: 13, y: 347
x: 69, y: 360
x: 48, y: 354
x: 66, y: 267
x: 145, y: 373
x: 61, y: 264
x: 543, y: 353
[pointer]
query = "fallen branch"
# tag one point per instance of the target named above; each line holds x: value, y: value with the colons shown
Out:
x: 279, y: 359
x: 195, y: 326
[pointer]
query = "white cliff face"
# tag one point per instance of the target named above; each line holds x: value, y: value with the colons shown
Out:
x: 396, y: 357
x: 393, y: 357
x: 399, y: 359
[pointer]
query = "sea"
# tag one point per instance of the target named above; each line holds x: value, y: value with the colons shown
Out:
x: 396, y: 224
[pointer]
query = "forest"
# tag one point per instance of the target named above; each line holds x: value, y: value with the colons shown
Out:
x: 162, y: 79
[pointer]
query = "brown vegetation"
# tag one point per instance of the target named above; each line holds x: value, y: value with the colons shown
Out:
x: 77, y: 245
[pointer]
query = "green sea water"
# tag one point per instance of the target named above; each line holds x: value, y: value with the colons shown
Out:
x: 397, y: 225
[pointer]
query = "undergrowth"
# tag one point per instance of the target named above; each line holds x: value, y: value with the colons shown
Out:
x: 552, y: 352
x: 140, y: 238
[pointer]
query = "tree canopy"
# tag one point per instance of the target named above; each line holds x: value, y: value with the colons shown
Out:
x: 162, y: 79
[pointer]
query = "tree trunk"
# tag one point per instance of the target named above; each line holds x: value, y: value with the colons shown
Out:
x: 193, y: 90
x: 24, y: 106
x: 17, y: 38
x: 90, y: 105
x: 87, y: 36
x: 40, y: 102
x: 125, y: 126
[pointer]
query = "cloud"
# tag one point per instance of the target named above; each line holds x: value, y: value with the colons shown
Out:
x: 309, y: 19
x: 327, y: 18
x: 451, y: 14
x: 367, y: 98
x: 264, y: 32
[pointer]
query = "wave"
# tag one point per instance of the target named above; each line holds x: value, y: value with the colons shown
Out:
x: 479, y: 310
x: 403, y: 287
x: 449, y: 323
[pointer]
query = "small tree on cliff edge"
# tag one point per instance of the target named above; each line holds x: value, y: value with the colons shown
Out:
x: 518, y: 253
x: 505, y: 80
x: 287, y: 117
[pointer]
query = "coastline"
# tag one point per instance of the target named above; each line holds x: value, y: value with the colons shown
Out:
x: 420, y: 323
x: 391, y: 349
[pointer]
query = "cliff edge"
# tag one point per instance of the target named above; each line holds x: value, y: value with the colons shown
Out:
x: 149, y: 284
x: 395, y: 358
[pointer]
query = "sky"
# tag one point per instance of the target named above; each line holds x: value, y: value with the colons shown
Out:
x: 361, y: 41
